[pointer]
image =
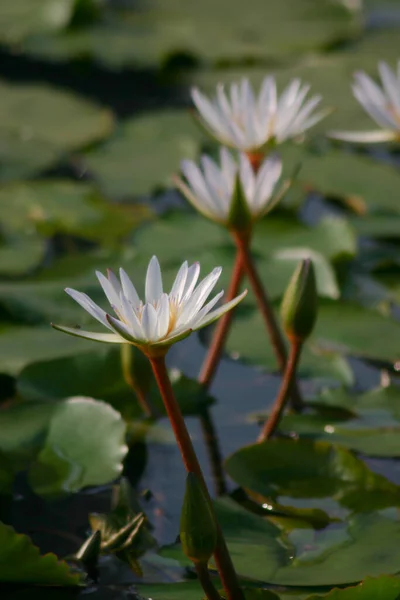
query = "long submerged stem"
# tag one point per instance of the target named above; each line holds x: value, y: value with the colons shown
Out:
x: 272, y: 422
x: 222, y: 558
x: 265, y: 307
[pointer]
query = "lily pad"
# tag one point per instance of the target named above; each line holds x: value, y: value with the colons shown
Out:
x: 84, y: 445
x: 367, y: 545
x: 316, y: 474
x: 28, y: 17
x: 98, y: 374
x: 359, y: 181
x: 156, y: 32
x: 22, y: 158
x: 48, y: 115
x: 381, y: 588
x: 66, y: 207
x: 20, y: 346
x: 21, y: 253
x: 341, y: 329
x: 21, y: 562
x: 144, y: 153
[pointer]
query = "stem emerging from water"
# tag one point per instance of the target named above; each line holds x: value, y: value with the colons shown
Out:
x: 272, y: 422
x: 222, y: 558
x: 206, y: 582
x: 265, y: 307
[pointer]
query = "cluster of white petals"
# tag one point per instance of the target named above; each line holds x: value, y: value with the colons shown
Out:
x: 210, y: 188
x: 163, y: 318
x: 382, y: 103
x: 242, y: 120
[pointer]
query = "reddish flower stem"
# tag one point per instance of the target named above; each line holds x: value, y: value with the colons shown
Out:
x: 222, y: 558
x: 206, y: 581
x: 265, y: 307
x: 211, y: 362
x: 289, y: 376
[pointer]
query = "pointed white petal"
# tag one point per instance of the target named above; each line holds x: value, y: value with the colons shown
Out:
x: 163, y: 316
x: 130, y: 317
x: 88, y: 304
x: 206, y: 309
x: 179, y: 283
x: 109, y: 338
x: 128, y: 288
x: 191, y: 280
x: 111, y: 294
x: 154, y: 286
x: 213, y: 316
x: 267, y: 178
x: 390, y: 84
x: 364, y: 137
x: 199, y: 296
x: 124, y: 331
x: 149, y: 322
x: 199, y: 204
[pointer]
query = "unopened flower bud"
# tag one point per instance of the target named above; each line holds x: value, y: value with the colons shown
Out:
x: 300, y: 303
x: 198, y: 530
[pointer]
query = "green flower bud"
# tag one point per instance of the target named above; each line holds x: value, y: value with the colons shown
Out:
x: 300, y: 303
x: 239, y: 218
x: 198, y: 530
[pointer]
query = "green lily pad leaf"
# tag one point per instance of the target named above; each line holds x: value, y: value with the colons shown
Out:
x: 371, y: 424
x: 191, y: 590
x: 248, y: 342
x: 99, y: 374
x: 332, y: 238
x: 28, y: 17
x: 22, y: 158
x: 21, y: 253
x: 355, y: 330
x: 66, y: 207
x: 84, y: 446
x: 382, y: 226
x: 144, y: 153
x: 51, y: 116
x: 23, y: 428
x: 359, y: 181
x: 345, y: 553
x: 342, y: 329
x: 20, y: 346
x: 310, y: 474
x: 381, y: 588
x: 21, y: 562
x: 152, y: 33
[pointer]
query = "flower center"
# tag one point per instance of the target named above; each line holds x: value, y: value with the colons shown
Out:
x: 392, y: 110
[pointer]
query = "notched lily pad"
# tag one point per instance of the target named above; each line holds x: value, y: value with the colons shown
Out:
x: 21, y: 562
x: 310, y: 474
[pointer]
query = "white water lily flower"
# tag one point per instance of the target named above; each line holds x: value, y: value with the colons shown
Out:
x: 210, y: 188
x: 381, y: 103
x: 246, y: 122
x: 164, y: 318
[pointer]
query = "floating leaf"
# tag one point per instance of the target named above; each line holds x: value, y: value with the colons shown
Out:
x: 28, y: 17
x: 98, y: 374
x: 316, y: 474
x: 67, y: 207
x: 381, y: 588
x: 144, y: 153
x: 52, y: 116
x: 84, y: 446
x: 22, y: 158
x: 21, y: 562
